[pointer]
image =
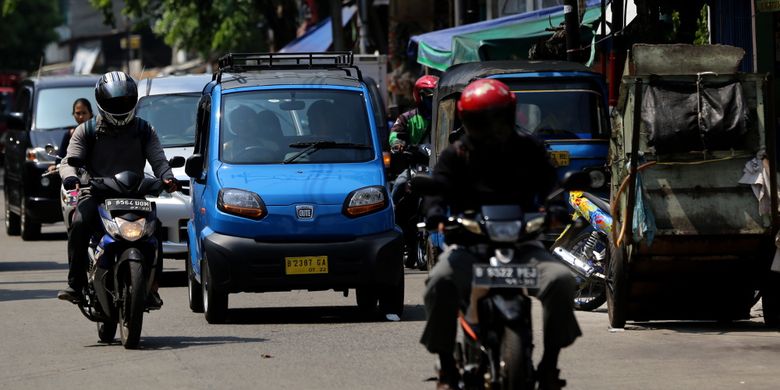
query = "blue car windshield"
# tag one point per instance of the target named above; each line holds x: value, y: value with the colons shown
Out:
x: 294, y: 126
x: 561, y: 110
x: 54, y: 108
x: 172, y: 116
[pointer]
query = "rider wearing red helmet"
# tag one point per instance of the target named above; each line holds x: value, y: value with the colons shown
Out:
x: 493, y: 164
x: 414, y: 125
x: 412, y: 128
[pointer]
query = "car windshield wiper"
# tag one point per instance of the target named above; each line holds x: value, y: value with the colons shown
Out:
x: 310, y: 147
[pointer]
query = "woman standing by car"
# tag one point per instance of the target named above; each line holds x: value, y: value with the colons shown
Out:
x: 82, y: 112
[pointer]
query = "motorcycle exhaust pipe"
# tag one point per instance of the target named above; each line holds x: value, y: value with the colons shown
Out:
x: 579, y: 266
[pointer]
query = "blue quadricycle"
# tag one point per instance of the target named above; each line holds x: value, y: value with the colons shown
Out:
x: 288, y: 185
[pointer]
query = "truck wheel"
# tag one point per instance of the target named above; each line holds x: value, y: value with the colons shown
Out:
x: 215, y: 301
x: 391, y: 299
x: 12, y: 223
x: 194, y: 289
x: 366, y: 299
x: 770, y: 299
x: 617, y: 286
x: 30, y: 230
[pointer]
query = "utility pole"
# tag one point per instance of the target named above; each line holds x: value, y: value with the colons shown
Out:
x: 335, y: 23
x: 363, y: 10
x: 572, y: 21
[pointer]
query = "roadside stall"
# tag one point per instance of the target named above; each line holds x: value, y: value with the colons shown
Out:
x: 694, y: 188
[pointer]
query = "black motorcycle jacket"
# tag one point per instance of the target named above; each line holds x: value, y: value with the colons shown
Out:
x: 109, y: 151
x: 515, y: 171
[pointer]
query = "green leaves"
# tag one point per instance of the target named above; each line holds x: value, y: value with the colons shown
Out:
x: 208, y: 27
x: 27, y: 27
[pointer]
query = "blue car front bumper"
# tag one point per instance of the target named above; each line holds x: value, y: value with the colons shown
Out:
x: 240, y: 264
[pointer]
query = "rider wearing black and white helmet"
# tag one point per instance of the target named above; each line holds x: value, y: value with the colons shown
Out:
x: 116, y: 94
x: 114, y: 141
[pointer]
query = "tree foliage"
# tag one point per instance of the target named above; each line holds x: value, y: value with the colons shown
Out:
x: 26, y: 28
x: 210, y: 27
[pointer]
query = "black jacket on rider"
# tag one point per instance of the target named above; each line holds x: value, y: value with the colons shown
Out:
x: 515, y: 171
x: 116, y: 150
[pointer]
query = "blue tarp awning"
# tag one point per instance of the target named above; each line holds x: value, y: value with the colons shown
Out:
x: 320, y: 37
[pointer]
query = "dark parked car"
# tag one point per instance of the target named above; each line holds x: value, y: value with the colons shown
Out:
x: 42, y: 114
x: 6, y: 103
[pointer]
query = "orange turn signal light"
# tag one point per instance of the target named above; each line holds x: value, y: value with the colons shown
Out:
x: 386, y: 159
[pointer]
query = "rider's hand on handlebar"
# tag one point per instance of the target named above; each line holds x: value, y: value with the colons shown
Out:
x: 170, y: 185
x: 70, y: 183
x: 398, y: 146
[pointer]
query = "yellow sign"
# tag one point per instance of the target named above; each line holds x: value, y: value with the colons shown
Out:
x: 560, y: 158
x: 768, y: 5
x: 306, y: 265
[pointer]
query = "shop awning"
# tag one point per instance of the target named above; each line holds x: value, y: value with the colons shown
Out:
x: 443, y: 48
x: 320, y: 37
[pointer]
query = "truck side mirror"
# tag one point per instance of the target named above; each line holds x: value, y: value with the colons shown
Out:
x: 194, y: 166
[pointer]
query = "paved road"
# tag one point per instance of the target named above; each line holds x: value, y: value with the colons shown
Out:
x: 302, y: 340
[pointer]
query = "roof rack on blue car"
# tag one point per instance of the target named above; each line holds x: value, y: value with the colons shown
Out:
x: 243, y: 62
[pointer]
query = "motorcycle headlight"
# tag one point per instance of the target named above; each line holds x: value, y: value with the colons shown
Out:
x: 504, y: 231
x: 131, y: 231
x: 111, y: 228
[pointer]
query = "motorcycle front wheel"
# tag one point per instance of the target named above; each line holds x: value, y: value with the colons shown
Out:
x: 131, y: 312
x: 516, y: 362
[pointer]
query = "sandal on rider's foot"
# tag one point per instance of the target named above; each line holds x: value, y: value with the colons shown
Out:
x: 153, y: 301
x: 71, y: 295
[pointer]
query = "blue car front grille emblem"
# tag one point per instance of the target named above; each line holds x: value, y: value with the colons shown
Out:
x: 304, y: 212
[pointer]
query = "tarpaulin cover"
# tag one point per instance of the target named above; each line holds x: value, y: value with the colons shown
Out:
x: 684, y: 117
x: 320, y: 37
x: 443, y: 48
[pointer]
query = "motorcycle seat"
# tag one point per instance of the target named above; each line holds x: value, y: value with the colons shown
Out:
x: 603, y: 204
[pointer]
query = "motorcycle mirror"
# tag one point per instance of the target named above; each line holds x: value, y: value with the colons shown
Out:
x: 574, y: 181
x: 176, y: 162
x: 50, y: 149
x: 424, y: 185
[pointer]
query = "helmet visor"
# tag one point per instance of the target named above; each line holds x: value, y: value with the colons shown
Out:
x: 119, y: 105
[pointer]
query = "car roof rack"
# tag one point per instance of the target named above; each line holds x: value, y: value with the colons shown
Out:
x: 242, y: 62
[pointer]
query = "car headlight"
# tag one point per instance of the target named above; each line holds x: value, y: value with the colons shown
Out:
x: 597, y: 178
x: 241, y: 203
x: 365, y: 201
x: 504, y: 231
x: 39, y: 155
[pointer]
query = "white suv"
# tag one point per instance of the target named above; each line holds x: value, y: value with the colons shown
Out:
x: 169, y: 105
